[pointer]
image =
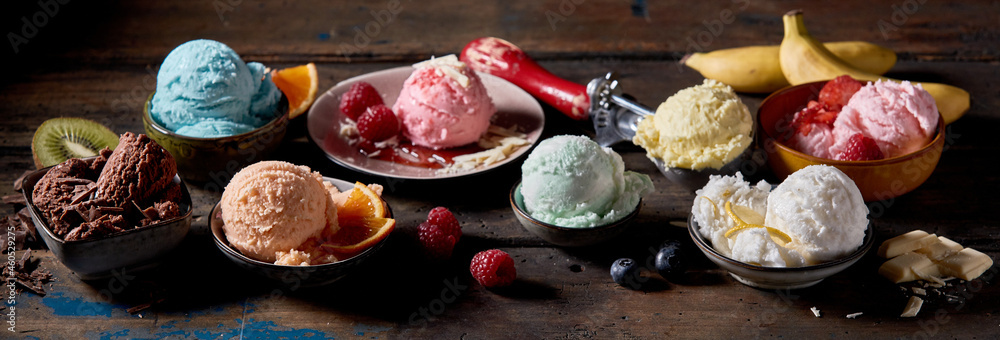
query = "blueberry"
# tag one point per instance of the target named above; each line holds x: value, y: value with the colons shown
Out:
x: 670, y: 261
x: 625, y: 272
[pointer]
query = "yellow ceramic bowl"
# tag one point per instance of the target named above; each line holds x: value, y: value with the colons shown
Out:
x: 877, y: 180
x: 213, y: 161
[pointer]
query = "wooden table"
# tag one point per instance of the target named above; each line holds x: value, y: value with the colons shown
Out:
x: 98, y: 60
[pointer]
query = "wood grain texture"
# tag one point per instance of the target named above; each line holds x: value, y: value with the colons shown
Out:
x: 339, y: 31
x: 100, y: 64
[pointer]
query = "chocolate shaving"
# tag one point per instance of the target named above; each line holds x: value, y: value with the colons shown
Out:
x: 15, y: 199
x: 149, y: 213
x: 92, y: 210
x: 93, y: 214
x: 102, y: 225
x: 139, y: 308
x: 30, y: 287
x: 19, y: 182
x: 142, y: 307
x: 110, y: 210
x: 72, y: 181
x: 24, y: 258
x: 85, y: 211
x: 27, y: 276
x: 27, y: 223
x: 81, y: 196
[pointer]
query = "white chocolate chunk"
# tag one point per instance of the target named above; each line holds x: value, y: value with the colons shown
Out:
x: 967, y: 264
x: 950, y: 244
x: 908, y: 267
x: 815, y: 311
x: 912, y: 307
x: 905, y: 243
x: 940, y: 248
x: 448, y: 65
x: 854, y: 315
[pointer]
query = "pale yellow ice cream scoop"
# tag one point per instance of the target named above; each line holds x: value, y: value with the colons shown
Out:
x: 703, y: 126
x: 274, y: 206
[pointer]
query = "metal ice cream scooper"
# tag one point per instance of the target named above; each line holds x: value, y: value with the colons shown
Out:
x: 615, y: 116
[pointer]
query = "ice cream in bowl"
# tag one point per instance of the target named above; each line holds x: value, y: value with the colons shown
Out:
x: 290, y: 224
x: 214, y: 112
x: 886, y: 136
x: 812, y: 225
x: 700, y: 131
x: 119, y: 211
x: 573, y: 192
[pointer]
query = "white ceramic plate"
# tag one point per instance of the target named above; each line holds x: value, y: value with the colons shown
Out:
x: 514, y: 106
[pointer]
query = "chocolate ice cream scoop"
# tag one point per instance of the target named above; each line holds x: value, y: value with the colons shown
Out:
x: 62, y: 186
x: 138, y: 170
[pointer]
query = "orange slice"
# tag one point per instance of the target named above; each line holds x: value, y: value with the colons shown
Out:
x: 359, y: 234
x: 361, y: 202
x: 299, y: 84
x: 363, y: 219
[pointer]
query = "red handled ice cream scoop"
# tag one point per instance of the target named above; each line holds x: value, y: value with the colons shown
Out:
x: 614, y: 116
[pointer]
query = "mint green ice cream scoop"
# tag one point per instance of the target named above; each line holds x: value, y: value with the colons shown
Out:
x: 571, y: 181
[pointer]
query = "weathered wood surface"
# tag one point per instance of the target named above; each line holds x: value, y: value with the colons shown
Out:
x: 99, y: 64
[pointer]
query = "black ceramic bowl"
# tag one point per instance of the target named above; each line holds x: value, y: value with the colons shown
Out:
x: 564, y: 236
x: 293, y: 276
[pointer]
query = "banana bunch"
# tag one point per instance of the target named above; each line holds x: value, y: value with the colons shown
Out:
x: 804, y: 59
x: 755, y: 69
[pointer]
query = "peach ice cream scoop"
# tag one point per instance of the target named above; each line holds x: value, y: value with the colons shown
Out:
x: 443, y: 104
x: 275, y: 206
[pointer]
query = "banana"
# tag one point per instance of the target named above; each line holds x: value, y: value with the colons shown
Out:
x: 804, y: 59
x: 755, y: 69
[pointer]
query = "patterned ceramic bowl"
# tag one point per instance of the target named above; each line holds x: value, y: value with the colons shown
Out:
x: 213, y: 161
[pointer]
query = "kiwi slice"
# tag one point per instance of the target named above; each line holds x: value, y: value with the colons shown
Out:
x: 59, y: 139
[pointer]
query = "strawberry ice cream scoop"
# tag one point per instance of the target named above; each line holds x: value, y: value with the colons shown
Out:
x: 443, y: 104
x: 900, y: 117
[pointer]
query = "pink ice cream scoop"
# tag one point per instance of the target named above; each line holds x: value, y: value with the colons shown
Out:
x: 817, y: 142
x: 443, y: 104
x: 900, y: 117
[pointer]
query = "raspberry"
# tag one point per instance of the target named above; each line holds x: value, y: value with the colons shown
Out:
x: 837, y: 92
x: 358, y: 98
x: 439, y: 233
x: 444, y: 219
x: 378, y: 123
x: 860, y: 148
x: 814, y: 114
x: 493, y: 268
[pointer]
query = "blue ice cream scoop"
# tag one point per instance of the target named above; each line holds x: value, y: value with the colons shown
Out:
x: 204, y: 89
x: 214, y: 128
